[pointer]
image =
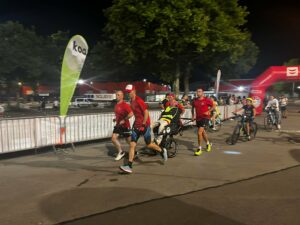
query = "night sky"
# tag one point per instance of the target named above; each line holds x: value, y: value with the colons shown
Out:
x: 275, y: 25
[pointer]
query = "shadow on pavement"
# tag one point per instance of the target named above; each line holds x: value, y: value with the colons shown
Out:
x: 84, y: 206
x: 295, y: 153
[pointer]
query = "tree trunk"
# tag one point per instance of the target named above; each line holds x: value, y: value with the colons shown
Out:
x: 186, y: 78
x: 176, y: 83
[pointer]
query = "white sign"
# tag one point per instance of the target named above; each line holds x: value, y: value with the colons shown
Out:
x: 256, y: 91
x: 292, y: 71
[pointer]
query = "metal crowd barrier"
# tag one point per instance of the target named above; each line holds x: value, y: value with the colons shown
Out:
x: 32, y: 133
x: 28, y: 133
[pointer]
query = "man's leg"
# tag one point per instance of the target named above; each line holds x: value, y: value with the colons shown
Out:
x: 213, y: 119
x: 278, y: 118
x: 131, y: 152
x: 134, y: 138
x: 128, y: 139
x: 162, y: 126
x: 118, y: 146
x: 115, y: 141
x: 147, y: 138
x: 205, y: 136
x: 200, y: 137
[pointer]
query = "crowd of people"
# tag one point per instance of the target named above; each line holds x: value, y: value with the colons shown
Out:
x: 203, y: 109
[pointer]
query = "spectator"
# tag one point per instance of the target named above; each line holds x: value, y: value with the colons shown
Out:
x: 232, y: 100
x: 283, y: 101
x: 163, y: 102
x: 1, y: 111
x: 244, y: 101
x: 185, y: 101
x: 55, y: 104
x: 43, y: 104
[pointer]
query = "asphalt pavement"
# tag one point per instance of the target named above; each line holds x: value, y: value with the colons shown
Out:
x: 253, y: 183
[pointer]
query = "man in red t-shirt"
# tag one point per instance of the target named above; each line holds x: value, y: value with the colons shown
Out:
x: 141, y: 126
x: 203, y: 107
x: 123, y: 113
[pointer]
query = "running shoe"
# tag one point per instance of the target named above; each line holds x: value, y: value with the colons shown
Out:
x: 119, y: 156
x: 126, y: 168
x: 208, y: 147
x: 198, y: 152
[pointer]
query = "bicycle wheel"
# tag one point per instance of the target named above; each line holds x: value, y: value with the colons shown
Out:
x: 235, y: 135
x: 253, y: 130
x: 268, y: 123
x: 172, y: 147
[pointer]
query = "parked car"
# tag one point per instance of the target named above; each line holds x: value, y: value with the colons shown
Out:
x: 83, y: 102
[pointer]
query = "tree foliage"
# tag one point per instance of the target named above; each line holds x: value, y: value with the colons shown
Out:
x: 177, y: 32
x: 21, y: 52
x: 292, y: 62
x: 28, y: 56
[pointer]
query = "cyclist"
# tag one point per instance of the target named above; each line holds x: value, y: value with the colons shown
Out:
x: 141, y: 126
x: 171, y: 114
x: 249, y: 113
x: 123, y: 113
x: 215, y: 112
x: 273, y: 105
x: 201, y: 110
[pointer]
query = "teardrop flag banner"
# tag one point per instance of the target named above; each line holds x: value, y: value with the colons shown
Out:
x: 73, y: 62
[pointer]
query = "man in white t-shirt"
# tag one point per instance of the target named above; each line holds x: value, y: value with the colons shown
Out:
x: 283, y: 101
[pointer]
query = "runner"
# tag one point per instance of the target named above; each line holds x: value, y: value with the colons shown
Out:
x: 202, y: 106
x: 215, y: 112
x: 123, y: 113
x: 141, y: 126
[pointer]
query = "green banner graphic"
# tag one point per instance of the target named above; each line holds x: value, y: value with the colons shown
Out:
x: 73, y: 62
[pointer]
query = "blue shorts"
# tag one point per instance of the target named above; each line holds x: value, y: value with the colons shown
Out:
x: 135, y: 135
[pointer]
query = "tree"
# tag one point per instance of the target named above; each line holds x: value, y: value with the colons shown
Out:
x: 52, y: 56
x: 177, y: 33
x: 292, y: 62
x: 235, y: 67
x: 21, y: 49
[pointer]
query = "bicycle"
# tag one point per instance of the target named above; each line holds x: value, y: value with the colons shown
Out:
x: 241, y: 127
x: 270, y: 120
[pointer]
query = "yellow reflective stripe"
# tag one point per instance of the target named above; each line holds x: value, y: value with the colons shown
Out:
x: 168, y: 109
x: 165, y: 119
x: 167, y: 116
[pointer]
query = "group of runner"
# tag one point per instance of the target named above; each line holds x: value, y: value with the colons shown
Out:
x: 202, y: 109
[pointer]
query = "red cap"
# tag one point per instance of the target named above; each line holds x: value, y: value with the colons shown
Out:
x: 129, y: 88
x: 171, y: 94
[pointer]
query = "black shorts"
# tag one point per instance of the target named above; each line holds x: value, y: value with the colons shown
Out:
x: 202, y: 123
x: 124, y: 131
x: 283, y: 108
